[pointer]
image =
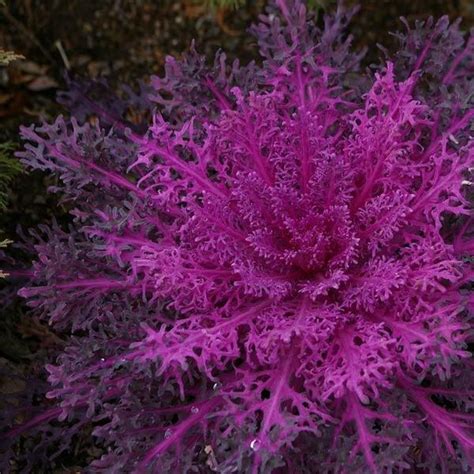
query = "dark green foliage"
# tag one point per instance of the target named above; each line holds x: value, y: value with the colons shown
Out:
x: 9, y: 168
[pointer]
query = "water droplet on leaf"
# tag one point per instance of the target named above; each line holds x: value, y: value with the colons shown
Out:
x: 255, y: 444
x: 453, y: 139
x: 194, y: 410
x: 168, y: 433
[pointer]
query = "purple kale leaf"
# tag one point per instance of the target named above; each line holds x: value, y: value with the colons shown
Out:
x: 273, y: 274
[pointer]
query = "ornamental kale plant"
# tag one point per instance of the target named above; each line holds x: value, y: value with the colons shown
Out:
x: 268, y: 269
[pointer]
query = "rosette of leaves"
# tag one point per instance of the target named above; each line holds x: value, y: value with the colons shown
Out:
x: 272, y: 274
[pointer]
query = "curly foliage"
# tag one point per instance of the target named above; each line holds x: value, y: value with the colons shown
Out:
x: 271, y: 275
